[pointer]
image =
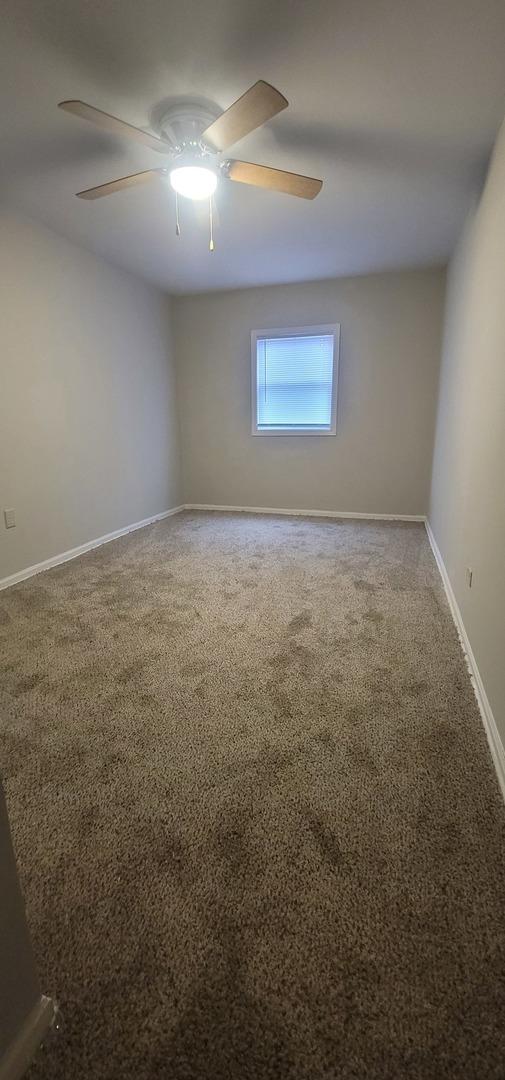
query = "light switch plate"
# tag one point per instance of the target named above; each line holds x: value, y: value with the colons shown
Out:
x: 10, y: 518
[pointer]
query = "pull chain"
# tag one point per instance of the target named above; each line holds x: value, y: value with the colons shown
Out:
x: 177, y: 226
x: 211, y: 225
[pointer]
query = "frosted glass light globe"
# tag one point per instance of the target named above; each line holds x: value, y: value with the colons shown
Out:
x: 193, y: 181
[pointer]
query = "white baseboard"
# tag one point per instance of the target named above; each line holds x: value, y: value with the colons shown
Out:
x: 305, y: 513
x: 73, y: 553
x: 21, y: 1051
x: 493, y: 737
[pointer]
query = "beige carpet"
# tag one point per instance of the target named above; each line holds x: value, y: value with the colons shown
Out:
x: 257, y: 823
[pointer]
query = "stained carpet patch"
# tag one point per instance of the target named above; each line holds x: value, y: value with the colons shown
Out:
x: 257, y: 823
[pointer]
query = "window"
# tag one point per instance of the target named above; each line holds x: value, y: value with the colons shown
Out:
x: 294, y: 380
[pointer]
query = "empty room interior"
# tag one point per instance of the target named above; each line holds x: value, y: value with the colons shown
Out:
x: 252, y: 520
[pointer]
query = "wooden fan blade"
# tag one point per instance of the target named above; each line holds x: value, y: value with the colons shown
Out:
x: 119, y: 185
x: 245, y: 172
x: 113, y: 125
x: 254, y: 108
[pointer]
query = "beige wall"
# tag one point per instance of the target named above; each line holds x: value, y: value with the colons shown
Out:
x: 467, y: 511
x: 19, y: 988
x: 88, y: 431
x: 380, y: 460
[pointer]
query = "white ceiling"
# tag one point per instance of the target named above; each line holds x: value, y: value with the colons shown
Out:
x: 393, y: 103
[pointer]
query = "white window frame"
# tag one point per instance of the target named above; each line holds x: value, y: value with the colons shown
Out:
x: 295, y: 331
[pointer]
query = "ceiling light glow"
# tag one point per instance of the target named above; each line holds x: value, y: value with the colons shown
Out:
x: 193, y: 181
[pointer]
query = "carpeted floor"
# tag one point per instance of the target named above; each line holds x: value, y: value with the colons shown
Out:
x: 258, y: 827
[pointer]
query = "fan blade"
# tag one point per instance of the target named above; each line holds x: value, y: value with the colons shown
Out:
x: 119, y: 185
x: 245, y: 172
x: 253, y: 109
x: 113, y: 125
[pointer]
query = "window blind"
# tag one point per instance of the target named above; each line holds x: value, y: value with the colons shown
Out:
x: 294, y: 382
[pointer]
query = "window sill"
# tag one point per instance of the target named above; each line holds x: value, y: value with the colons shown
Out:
x: 292, y: 432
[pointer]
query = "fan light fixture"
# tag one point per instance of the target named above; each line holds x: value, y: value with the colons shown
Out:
x: 193, y: 181
x: 187, y: 136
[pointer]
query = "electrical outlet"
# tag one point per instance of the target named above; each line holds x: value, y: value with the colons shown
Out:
x: 10, y: 518
x: 469, y: 576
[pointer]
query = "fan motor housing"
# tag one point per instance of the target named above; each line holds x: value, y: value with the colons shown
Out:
x: 183, y: 125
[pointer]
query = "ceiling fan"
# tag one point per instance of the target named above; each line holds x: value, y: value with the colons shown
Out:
x: 196, y: 146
